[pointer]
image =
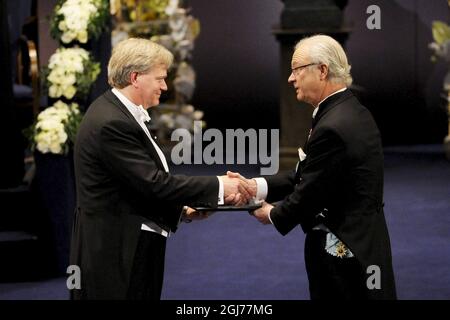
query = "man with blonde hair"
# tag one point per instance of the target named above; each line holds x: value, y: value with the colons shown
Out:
x: 127, y: 201
x: 336, y: 191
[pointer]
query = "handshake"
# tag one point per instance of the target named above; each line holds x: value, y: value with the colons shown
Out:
x: 238, y: 191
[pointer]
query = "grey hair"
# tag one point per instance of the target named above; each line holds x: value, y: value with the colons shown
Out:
x: 135, y: 55
x: 324, y: 49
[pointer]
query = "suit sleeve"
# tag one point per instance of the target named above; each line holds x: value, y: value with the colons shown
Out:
x: 280, y: 185
x: 318, y: 182
x: 127, y: 159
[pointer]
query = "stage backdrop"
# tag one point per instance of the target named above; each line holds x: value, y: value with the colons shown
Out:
x: 237, y: 63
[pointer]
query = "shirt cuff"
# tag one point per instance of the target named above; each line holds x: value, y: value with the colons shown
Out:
x: 220, y: 200
x: 270, y: 219
x: 261, y: 188
x: 182, y: 216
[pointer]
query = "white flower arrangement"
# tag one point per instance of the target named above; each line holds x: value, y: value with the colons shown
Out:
x: 70, y: 72
x: 79, y: 20
x: 55, y: 128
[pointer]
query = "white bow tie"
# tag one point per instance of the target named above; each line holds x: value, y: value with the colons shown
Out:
x: 143, y: 114
x: 301, y: 154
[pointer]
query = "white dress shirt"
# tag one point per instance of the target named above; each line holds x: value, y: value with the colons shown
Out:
x: 141, y: 115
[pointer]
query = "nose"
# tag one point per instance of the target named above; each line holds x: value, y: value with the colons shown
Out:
x: 291, y: 78
x: 164, y: 85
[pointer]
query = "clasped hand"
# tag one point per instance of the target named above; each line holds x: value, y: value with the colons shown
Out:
x: 238, y: 191
x: 262, y: 214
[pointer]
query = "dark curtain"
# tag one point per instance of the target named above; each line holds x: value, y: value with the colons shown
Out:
x: 101, y: 50
x: 11, y: 142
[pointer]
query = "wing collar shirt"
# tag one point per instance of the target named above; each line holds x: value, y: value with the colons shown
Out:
x: 141, y: 116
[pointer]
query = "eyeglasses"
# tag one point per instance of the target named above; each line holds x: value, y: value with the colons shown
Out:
x: 294, y: 70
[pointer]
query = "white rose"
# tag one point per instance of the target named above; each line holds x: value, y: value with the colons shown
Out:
x: 75, y: 108
x: 55, y: 147
x: 46, y: 114
x: 69, y: 92
x: 62, y: 115
x: 62, y: 25
x: 52, y: 91
x: 78, y: 66
x: 62, y: 135
x: 43, y: 141
x: 82, y: 36
x: 74, y: 24
x: 55, y: 76
x: 69, y: 79
x: 67, y: 37
x: 55, y: 91
x: 59, y: 105
x: 42, y: 147
x: 49, y: 124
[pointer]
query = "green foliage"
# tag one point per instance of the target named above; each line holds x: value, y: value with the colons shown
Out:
x: 441, y: 32
x: 87, y: 78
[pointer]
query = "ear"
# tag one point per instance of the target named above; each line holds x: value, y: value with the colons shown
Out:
x: 323, y: 71
x: 133, y: 79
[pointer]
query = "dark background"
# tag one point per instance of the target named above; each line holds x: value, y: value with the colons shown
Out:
x: 238, y: 84
x: 237, y: 63
x: 236, y: 58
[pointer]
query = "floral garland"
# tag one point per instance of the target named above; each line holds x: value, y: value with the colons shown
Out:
x: 79, y: 20
x: 56, y: 128
x: 71, y: 73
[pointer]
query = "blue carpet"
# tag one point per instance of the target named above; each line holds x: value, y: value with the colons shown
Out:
x: 52, y: 289
x: 232, y: 256
x: 417, y: 197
